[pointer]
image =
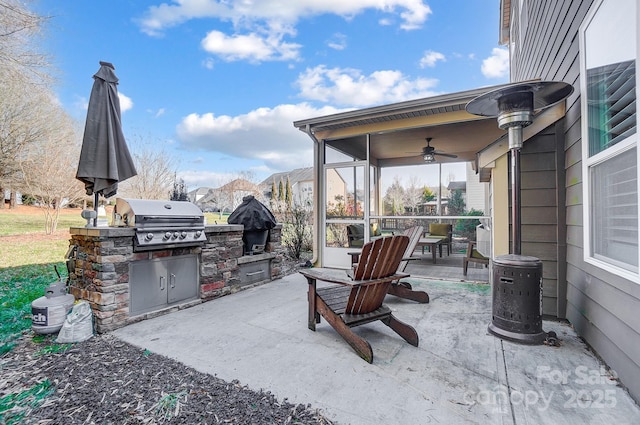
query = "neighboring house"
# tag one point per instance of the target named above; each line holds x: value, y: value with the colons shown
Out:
x: 226, y: 198
x: 579, y: 173
x: 300, y: 179
x: 476, y: 195
x: 7, y: 194
x: 197, y: 194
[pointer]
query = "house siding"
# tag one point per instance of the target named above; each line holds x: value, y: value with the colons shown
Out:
x: 539, y: 212
x: 601, y: 306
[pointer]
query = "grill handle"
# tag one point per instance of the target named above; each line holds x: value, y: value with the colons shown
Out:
x: 170, y: 217
x: 164, y: 229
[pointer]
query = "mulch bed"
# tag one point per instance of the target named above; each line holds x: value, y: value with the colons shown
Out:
x: 106, y: 381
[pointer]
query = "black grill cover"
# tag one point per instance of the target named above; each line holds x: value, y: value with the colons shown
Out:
x: 253, y: 215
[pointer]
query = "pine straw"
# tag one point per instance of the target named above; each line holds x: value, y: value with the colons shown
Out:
x: 107, y: 381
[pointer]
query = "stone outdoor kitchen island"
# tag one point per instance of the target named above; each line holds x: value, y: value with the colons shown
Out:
x: 124, y: 286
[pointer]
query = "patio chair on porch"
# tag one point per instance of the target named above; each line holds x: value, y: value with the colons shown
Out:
x: 473, y: 256
x: 443, y: 230
x: 357, y: 297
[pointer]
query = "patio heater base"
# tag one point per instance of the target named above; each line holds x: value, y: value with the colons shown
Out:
x: 517, y: 299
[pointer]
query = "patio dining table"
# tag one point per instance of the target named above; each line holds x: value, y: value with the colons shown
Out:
x: 432, y: 242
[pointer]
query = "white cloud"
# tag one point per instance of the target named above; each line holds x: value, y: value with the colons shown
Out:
x: 430, y: 58
x: 412, y: 13
x: 208, y: 63
x: 198, y: 178
x: 349, y: 87
x: 252, y: 47
x: 338, y: 42
x: 496, y: 65
x: 125, y: 102
x: 264, y: 134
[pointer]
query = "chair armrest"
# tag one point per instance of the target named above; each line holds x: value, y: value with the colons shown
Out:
x: 341, y: 276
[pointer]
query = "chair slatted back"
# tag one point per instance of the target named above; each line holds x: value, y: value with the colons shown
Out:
x: 379, y: 259
x: 414, y: 234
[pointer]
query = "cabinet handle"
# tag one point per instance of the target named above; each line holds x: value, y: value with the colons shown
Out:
x: 255, y: 273
x: 162, y: 283
x: 172, y: 280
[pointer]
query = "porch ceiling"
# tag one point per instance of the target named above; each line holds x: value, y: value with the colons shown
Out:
x: 398, y: 131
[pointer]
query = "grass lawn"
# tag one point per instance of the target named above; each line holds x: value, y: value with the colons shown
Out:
x: 23, y: 240
x: 13, y: 223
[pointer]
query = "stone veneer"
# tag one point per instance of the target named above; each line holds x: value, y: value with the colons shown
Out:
x: 99, y: 268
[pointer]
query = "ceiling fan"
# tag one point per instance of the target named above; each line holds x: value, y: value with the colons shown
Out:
x: 429, y: 152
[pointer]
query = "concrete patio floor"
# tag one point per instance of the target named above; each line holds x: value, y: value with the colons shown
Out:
x: 459, y: 374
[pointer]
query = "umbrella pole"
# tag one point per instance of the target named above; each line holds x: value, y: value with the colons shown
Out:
x: 95, y: 208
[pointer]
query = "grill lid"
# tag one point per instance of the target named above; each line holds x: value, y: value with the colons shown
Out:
x: 161, y: 224
x: 142, y: 213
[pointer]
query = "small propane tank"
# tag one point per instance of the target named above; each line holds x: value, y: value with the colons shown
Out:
x: 49, y: 312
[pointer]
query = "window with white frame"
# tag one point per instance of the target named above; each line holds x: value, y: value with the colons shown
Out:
x: 609, y: 91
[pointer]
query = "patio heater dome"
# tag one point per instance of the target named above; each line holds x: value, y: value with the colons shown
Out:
x: 517, y: 279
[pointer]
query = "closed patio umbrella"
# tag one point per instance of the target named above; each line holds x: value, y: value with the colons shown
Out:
x: 104, y: 159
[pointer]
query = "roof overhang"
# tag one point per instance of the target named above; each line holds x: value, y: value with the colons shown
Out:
x: 398, y: 131
x: 505, y: 22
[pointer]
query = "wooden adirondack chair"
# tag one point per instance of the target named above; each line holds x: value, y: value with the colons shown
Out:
x: 357, y: 297
x: 404, y: 289
x: 398, y: 288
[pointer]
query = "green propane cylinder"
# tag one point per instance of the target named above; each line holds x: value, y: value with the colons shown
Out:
x: 49, y: 312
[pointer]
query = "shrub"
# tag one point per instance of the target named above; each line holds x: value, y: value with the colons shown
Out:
x: 467, y: 228
x: 296, y: 231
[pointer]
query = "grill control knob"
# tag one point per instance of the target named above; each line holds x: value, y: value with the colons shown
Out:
x: 166, y: 236
x: 198, y: 233
x: 183, y: 235
x: 149, y: 236
x: 175, y: 235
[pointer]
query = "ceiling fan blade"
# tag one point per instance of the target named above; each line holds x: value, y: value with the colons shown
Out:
x: 450, y: 155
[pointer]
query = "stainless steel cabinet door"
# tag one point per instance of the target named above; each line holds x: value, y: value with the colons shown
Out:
x: 183, y: 278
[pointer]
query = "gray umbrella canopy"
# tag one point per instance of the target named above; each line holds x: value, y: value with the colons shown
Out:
x: 105, y: 159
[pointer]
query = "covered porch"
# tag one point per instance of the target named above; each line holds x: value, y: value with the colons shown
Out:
x: 356, y: 154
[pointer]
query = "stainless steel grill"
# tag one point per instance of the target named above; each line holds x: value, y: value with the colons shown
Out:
x: 161, y: 224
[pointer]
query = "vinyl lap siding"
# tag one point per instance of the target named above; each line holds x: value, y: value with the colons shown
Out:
x: 601, y: 306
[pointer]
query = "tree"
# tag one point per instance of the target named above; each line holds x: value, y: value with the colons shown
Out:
x: 288, y: 195
x: 394, y: 197
x: 23, y: 78
x: 180, y: 191
x: 20, y: 36
x: 456, y: 203
x: 273, y: 201
x: 467, y: 228
x: 26, y: 112
x: 156, y: 172
x: 427, y: 194
x: 413, y: 194
x: 281, y: 192
x: 52, y: 183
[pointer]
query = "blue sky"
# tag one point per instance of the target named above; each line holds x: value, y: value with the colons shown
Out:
x: 217, y: 84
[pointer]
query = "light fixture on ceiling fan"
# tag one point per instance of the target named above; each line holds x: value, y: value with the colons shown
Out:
x: 429, y: 152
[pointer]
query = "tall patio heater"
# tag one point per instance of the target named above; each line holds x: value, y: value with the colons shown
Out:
x: 517, y: 279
